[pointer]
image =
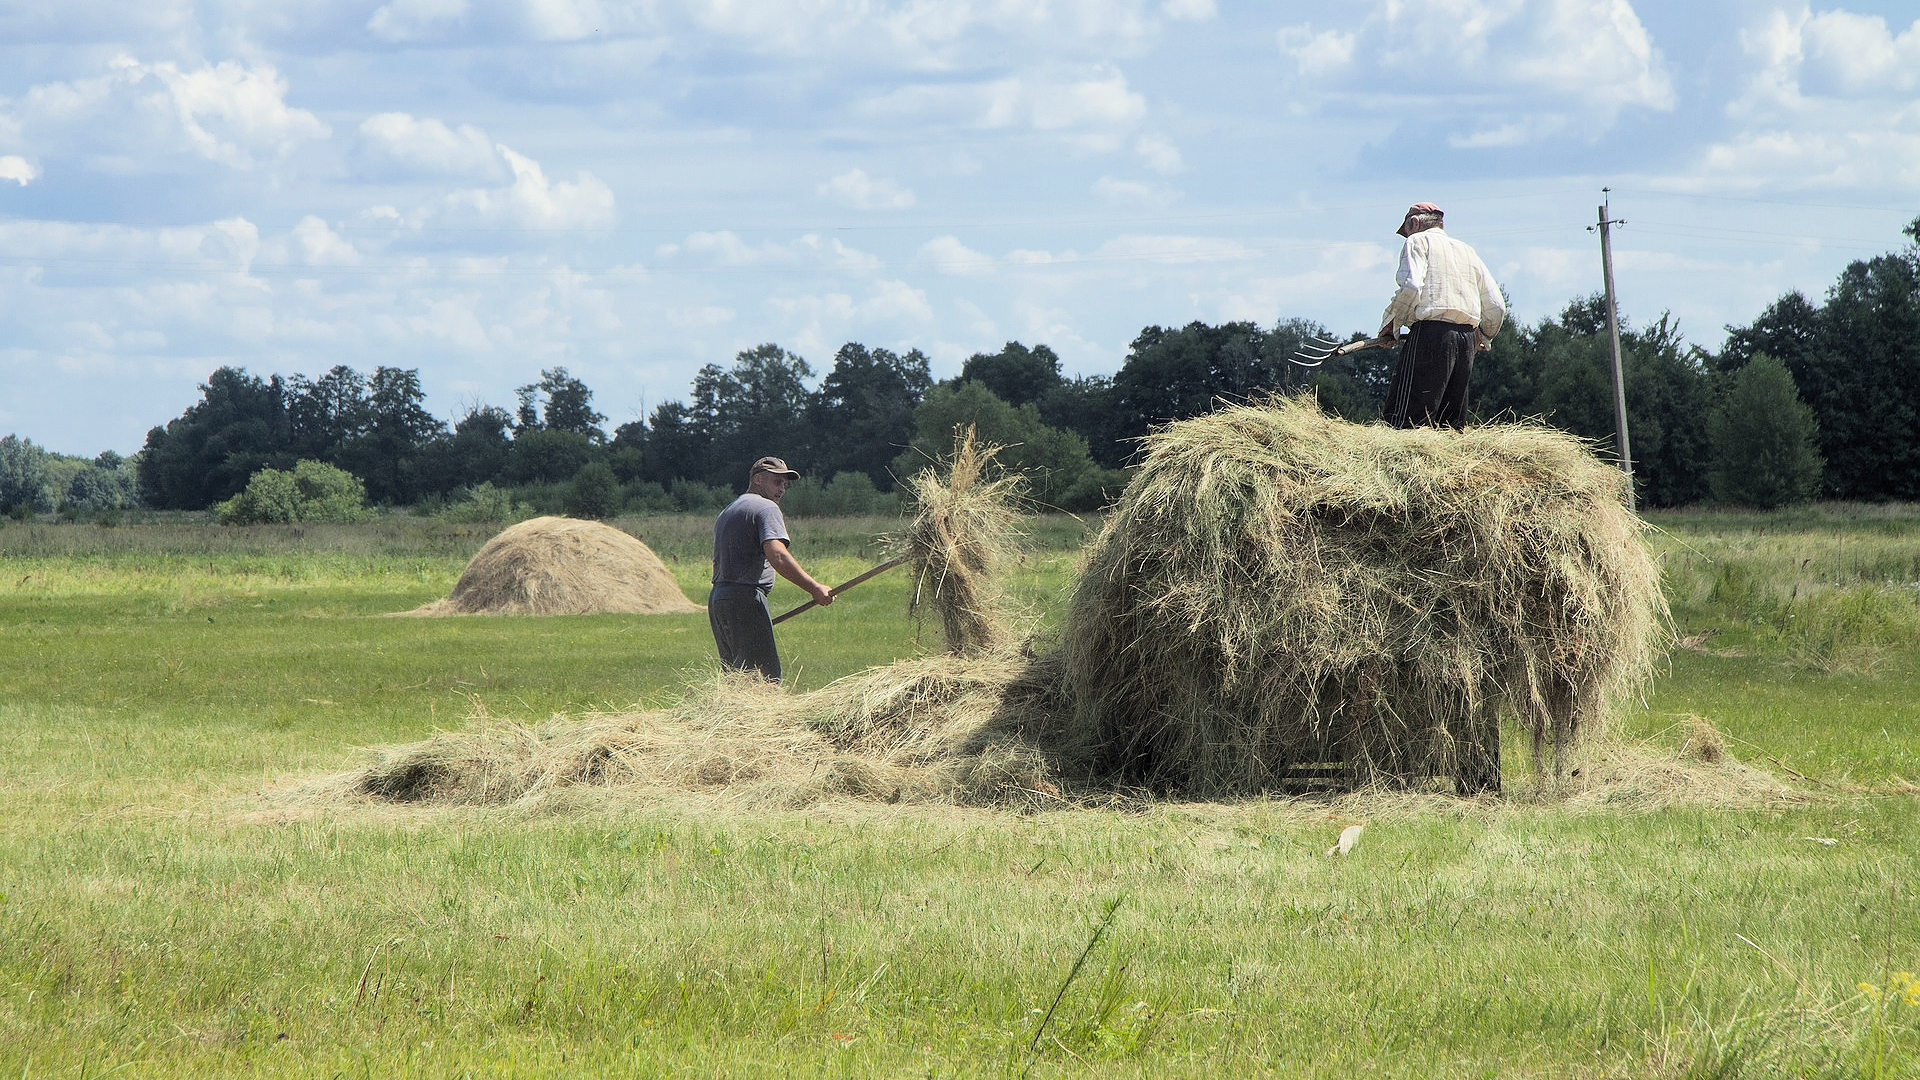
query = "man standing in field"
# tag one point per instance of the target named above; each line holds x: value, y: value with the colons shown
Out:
x: 1452, y: 305
x: 750, y: 544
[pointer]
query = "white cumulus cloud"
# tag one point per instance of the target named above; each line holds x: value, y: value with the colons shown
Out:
x: 1317, y: 53
x: 1829, y: 105
x: 948, y: 255
x: 534, y: 201
x: 855, y: 189
x: 395, y: 144
x: 230, y: 113
x: 1160, y: 154
x: 1848, y: 54
x: 1094, y: 106
x: 18, y: 169
x: 416, y: 20
x: 1592, y: 58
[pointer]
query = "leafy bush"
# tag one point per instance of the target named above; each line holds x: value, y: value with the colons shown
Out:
x: 847, y: 494
x: 692, y: 496
x: 313, y: 491
x: 648, y: 497
x: 484, y: 504
x: 595, y: 492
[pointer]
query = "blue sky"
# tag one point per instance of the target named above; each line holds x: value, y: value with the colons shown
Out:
x: 484, y: 188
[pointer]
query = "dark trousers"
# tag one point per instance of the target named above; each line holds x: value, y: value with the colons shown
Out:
x: 743, y: 629
x: 1429, y: 387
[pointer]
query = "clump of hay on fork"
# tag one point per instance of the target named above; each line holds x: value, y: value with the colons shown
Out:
x: 1280, y: 593
x: 960, y: 536
x: 563, y: 566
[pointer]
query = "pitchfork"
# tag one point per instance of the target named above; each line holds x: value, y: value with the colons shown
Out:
x: 1320, y: 350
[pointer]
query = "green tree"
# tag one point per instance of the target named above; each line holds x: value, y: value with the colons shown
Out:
x: 395, y: 431
x: 1173, y: 374
x: 558, y: 402
x: 1056, y: 463
x: 1179, y: 373
x: 105, y: 484
x: 311, y: 491
x: 209, y: 452
x: 754, y: 408
x: 1084, y: 406
x: 541, y: 456
x: 1016, y: 374
x: 322, y: 415
x: 1855, y: 360
x: 26, y: 484
x: 862, y: 415
x: 1762, y: 437
x: 1561, y: 370
x: 677, y: 446
x: 594, y: 492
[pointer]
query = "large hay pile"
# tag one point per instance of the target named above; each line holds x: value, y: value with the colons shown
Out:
x: 560, y: 566
x: 1279, y: 590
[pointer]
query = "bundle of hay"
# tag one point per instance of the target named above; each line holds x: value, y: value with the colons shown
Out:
x: 1281, y: 595
x: 560, y: 566
x: 960, y: 536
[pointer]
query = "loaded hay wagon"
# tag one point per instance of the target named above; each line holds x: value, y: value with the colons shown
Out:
x: 1281, y: 597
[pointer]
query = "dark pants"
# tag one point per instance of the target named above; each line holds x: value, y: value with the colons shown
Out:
x: 1429, y: 388
x: 743, y: 629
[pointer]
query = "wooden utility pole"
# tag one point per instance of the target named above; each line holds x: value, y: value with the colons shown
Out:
x: 1621, y: 443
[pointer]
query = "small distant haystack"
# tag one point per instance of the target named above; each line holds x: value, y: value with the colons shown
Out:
x: 560, y: 566
x: 960, y: 535
x: 1282, y: 595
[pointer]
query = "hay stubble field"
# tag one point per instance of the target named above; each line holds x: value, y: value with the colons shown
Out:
x: 168, y: 909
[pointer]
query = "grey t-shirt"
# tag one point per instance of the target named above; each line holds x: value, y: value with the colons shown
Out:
x: 738, y: 533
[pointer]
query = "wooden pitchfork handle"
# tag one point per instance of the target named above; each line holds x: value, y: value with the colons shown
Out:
x: 875, y: 572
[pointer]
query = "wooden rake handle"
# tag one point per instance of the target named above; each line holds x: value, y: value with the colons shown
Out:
x: 875, y: 572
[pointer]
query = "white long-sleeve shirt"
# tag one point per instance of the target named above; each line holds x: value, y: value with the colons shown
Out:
x: 1442, y: 278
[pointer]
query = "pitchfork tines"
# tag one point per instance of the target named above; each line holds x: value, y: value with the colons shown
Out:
x: 1318, y: 350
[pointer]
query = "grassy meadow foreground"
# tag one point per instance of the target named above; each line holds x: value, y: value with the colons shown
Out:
x: 168, y: 908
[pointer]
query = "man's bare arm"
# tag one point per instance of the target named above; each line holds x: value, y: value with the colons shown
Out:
x: 788, y: 567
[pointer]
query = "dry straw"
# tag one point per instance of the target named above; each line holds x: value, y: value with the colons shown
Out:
x: 960, y: 537
x: 909, y: 732
x: 561, y: 566
x: 1279, y: 590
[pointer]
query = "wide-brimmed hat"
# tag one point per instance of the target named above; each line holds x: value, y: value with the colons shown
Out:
x: 1416, y: 210
x: 772, y: 465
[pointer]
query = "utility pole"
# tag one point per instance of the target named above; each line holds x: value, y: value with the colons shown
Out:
x: 1621, y: 443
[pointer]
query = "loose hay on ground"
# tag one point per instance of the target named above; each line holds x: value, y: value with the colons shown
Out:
x: 562, y: 566
x: 909, y: 732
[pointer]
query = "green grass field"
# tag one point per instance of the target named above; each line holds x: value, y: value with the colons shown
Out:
x: 163, y: 913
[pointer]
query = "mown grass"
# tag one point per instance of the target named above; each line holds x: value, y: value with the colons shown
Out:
x: 161, y: 917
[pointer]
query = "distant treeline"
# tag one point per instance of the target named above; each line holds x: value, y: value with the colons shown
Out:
x: 1809, y: 399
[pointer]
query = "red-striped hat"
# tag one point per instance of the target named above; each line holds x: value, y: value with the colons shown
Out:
x: 1417, y: 209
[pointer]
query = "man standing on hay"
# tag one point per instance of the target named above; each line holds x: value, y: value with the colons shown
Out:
x: 1452, y: 305
x: 750, y: 544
